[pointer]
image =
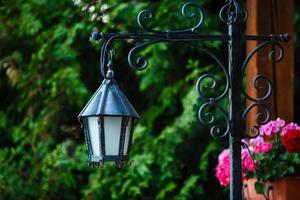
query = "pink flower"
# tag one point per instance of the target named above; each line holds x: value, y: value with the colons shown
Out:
x: 223, y: 167
x: 263, y: 148
x: 280, y: 122
x: 267, y: 130
x: 272, y: 127
x: 224, y: 154
x: 288, y: 127
x: 256, y: 141
x: 248, y: 163
x: 223, y: 172
x: 244, y: 153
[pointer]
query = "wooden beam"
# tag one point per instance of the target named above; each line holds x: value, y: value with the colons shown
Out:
x: 272, y: 17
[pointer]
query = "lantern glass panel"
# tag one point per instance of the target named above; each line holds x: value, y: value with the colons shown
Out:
x: 127, y: 136
x: 93, y: 130
x: 112, y: 133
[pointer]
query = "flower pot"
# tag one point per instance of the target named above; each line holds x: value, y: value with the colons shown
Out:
x: 287, y: 188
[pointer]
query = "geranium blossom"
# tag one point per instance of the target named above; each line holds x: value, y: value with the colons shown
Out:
x: 272, y: 127
x: 247, y: 162
x: 290, y: 126
x: 223, y: 172
x: 223, y: 155
x: 280, y: 122
x: 256, y: 141
x: 223, y: 166
x: 263, y: 147
x: 275, y: 138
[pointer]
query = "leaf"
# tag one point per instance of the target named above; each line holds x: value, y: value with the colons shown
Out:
x: 259, y: 187
x: 188, y: 186
x: 168, y: 188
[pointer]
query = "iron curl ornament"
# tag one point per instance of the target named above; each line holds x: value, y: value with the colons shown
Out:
x: 189, y: 10
x: 207, y: 118
x: 263, y: 115
x: 233, y: 13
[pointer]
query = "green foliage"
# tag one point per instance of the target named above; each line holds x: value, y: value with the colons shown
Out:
x: 276, y: 163
x: 48, y: 71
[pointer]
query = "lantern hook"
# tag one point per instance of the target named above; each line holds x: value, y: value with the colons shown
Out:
x: 110, y: 72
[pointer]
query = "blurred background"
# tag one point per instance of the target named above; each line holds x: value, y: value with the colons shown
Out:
x: 48, y: 71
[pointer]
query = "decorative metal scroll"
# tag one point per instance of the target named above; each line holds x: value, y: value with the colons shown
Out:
x: 141, y: 62
x: 206, y: 117
x: 146, y: 15
x: 189, y: 10
x: 264, y: 112
x: 233, y: 11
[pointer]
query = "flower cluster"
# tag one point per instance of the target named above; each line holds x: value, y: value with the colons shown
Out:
x: 272, y: 127
x: 263, y: 147
x: 259, y: 145
x: 291, y: 138
x: 223, y: 167
x: 290, y: 127
x: 276, y: 139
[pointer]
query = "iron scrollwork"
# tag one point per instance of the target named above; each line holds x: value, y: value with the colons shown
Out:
x: 145, y: 15
x: 206, y: 117
x: 156, y: 36
x: 264, y: 112
x: 141, y: 62
x: 233, y: 11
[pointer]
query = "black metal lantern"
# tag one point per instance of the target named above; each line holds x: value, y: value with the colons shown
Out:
x: 108, y: 120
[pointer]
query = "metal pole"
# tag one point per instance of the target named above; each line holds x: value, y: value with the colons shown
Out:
x: 235, y: 116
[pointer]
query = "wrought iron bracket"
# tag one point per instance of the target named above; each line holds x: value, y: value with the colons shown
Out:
x: 233, y: 13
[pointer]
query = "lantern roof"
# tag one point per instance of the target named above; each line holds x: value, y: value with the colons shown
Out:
x: 109, y: 100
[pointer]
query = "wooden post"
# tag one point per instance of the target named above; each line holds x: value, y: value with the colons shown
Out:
x: 272, y: 17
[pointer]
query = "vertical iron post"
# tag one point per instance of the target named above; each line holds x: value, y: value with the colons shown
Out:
x: 235, y: 116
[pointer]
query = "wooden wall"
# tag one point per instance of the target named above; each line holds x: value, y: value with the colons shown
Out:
x: 272, y: 17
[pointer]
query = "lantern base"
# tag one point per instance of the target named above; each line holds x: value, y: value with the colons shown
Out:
x: 119, y: 160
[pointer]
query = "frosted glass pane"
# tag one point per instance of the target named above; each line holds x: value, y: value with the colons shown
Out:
x: 112, y: 130
x: 94, y: 135
x: 127, y: 136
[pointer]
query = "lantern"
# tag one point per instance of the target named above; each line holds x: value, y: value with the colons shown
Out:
x: 108, y: 120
